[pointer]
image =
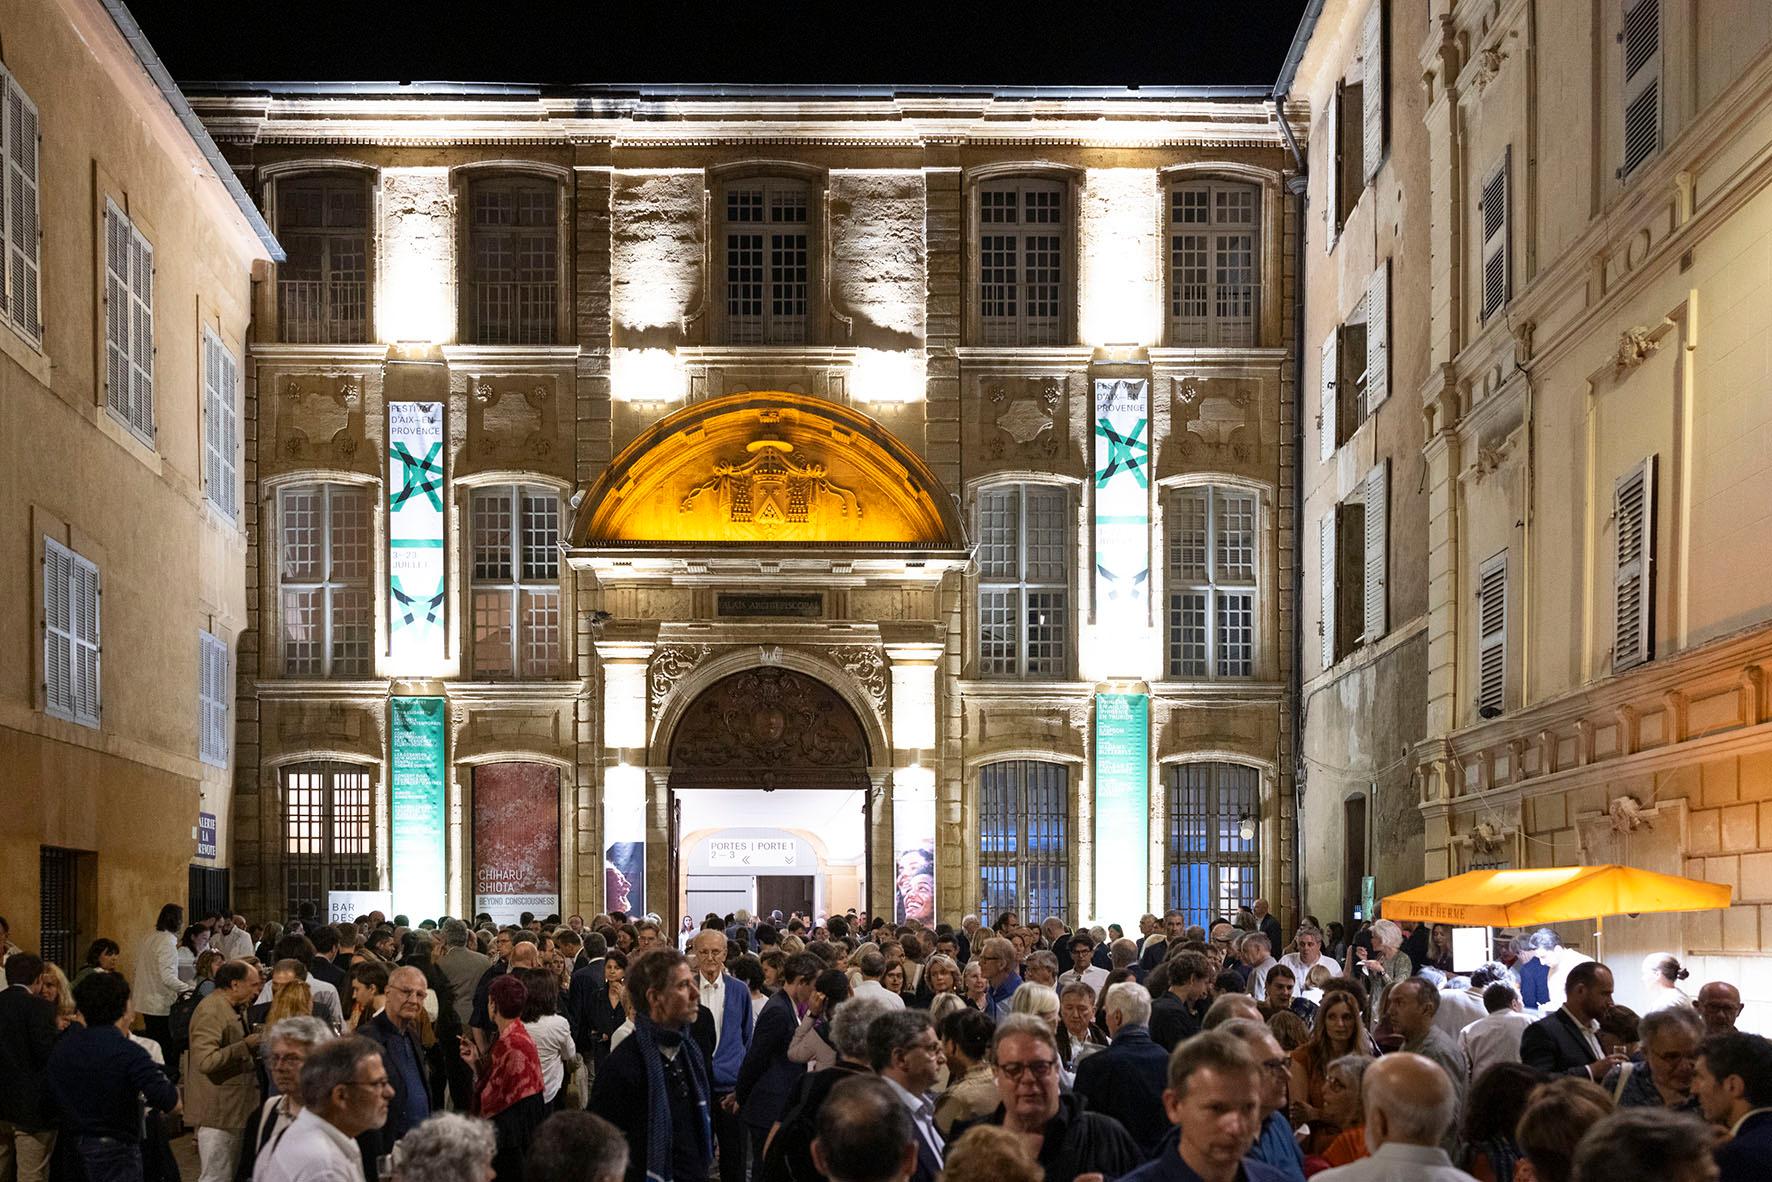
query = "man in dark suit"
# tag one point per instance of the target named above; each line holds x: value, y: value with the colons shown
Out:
x: 1126, y: 1081
x: 324, y: 966
x: 767, y: 1076
x: 27, y: 1034
x: 904, y: 1051
x: 1270, y: 927
x: 1733, y: 1083
x: 864, y: 1132
x: 1564, y: 1043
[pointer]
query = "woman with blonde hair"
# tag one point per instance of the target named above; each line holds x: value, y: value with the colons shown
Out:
x: 52, y: 987
x: 990, y: 1153
x: 210, y: 961
x: 293, y: 998
x: 1337, y: 1032
x: 975, y: 987
x: 1039, y: 1000
x: 940, y: 975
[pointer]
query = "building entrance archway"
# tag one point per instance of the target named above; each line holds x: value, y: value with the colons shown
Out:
x: 746, y: 755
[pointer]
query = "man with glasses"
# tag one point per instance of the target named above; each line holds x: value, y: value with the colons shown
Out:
x: 345, y: 1091
x: 1001, y: 965
x: 288, y: 1044
x: 1719, y: 1004
x: 1275, y: 1145
x: 903, y: 1049
x: 1072, y: 1141
x: 395, y: 1031
x: 728, y: 1002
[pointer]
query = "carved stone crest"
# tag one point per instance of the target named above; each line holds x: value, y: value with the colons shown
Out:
x: 1022, y: 416
x: 1216, y: 418
x: 769, y: 728
x: 321, y: 418
x: 511, y: 420
x: 772, y: 495
x: 1488, y: 66
x: 1635, y: 346
x: 670, y: 665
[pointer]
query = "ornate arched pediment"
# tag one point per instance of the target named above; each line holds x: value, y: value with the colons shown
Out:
x: 769, y: 727
x: 768, y: 469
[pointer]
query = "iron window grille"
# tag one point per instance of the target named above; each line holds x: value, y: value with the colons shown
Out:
x: 323, y: 284
x: 328, y: 833
x: 1024, y: 838
x: 516, y: 591
x: 325, y: 567
x: 1212, y: 868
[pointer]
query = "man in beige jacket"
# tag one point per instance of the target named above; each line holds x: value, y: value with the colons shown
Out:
x: 221, y: 1082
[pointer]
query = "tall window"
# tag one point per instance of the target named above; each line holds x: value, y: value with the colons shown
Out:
x: 129, y: 324
x: 516, y: 582
x: 327, y: 833
x: 768, y: 267
x: 1024, y: 838
x: 1213, y: 278
x: 21, y: 258
x: 326, y: 563
x: 221, y: 426
x: 70, y: 635
x: 1212, y: 563
x: 513, y: 261
x: 1213, y: 868
x: 1022, y: 581
x: 1021, y: 270
x: 213, y: 697
x: 323, y: 286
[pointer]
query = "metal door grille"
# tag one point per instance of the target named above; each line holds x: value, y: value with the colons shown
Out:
x: 1024, y: 838
x: 58, y: 883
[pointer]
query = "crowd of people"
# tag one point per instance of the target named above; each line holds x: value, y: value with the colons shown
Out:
x: 851, y: 1049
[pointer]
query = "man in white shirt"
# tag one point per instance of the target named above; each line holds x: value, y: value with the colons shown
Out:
x: 1409, y: 1108
x: 904, y: 1051
x: 345, y: 1091
x: 1083, y: 968
x: 872, y: 966
x: 231, y: 938
x: 1258, y: 955
x: 1495, y: 1038
x: 726, y: 998
x: 1308, y: 956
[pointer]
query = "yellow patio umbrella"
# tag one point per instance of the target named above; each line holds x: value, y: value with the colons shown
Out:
x: 1531, y: 898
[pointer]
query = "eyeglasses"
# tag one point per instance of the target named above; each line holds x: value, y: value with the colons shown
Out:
x: 286, y: 1060
x: 1278, y: 1066
x: 384, y: 1084
x: 1038, y: 1068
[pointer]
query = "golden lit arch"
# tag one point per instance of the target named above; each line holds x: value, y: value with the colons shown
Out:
x: 768, y: 469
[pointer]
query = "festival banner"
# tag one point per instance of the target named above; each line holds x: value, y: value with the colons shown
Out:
x: 1122, y: 804
x: 1122, y: 514
x: 419, y: 777
x: 415, y: 537
x: 913, y: 845
x: 516, y: 840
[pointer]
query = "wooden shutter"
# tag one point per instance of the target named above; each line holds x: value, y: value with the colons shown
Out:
x: 141, y: 334
x: 1492, y: 634
x: 1634, y: 578
x: 58, y: 631
x: 1641, y: 39
x: 1326, y: 552
x: 1375, y: 494
x: 1332, y: 173
x: 1373, y: 93
x: 1326, y: 417
x: 1378, y: 337
x: 213, y: 697
x: 22, y: 261
x: 1493, y: 209
x: 83, y: 611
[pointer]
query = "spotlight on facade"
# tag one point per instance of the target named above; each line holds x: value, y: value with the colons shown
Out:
x: 1246, y: 827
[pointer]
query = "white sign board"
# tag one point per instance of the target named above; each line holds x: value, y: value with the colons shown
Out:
x: 346, y: 906
x: 742, y: 853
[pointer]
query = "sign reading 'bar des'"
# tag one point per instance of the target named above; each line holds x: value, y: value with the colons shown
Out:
x: 752, y: 852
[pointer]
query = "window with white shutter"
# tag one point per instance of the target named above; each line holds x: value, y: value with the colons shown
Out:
x: 21, y: 284
x: 1375, y: 495
x: 766, y: 237
x: 1328, y: 379
x: 1492, y: 210
x: 70, y: 635
x: 1022, y: 274
x: 1023, y: 581
x: 1327, y: 531
x: 1374, y: 89
x: 1350, y: 140
x: 221, y: 425
x: 1331, y: 170
x: 129, y: 324
x: 1213, y: 544
x: 516, y: 613
x: 1492, y: 636
x: 325, y: 564
x: 1640, y: 38
x: 1634, y: 579
x: 212, y: 699
x: 1378, y: 337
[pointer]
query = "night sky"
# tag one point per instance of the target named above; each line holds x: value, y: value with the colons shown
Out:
x: 1154, y: 42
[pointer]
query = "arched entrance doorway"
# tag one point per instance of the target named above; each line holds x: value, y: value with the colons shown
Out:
x: 760, y: 754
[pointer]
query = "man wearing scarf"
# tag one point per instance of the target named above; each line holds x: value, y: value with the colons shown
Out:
x: 656, y: 1086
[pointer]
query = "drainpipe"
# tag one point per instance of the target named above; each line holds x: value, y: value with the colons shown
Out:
x: 1298, y: 186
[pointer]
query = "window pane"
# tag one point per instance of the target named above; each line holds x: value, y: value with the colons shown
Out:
x: 999, y: 519
x: 302, y: 632
x: 301, y: 535
x: 998, y: 632
x: 1189, y: 207
x: 1024, y: 847
x: 1187, y: 634
x: 350, y: 534
x: 1236, y: 634
x: 492, y: 632
x: 1045, y: 535
x: 1045, y: 633
x: 1236, y: 538
x: 352, y: 633
x: 1187, y: 537
x: 541, y: 536
x: 541, y: 633
x: 1042, y: 291
x: 492, y: 534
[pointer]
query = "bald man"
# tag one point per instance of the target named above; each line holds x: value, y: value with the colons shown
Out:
x: 1410, y: 1106
x: 395, y: 1030
x: 1719, y: 1004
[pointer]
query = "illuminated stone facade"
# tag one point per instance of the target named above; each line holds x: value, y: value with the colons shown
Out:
x: 906, y: 301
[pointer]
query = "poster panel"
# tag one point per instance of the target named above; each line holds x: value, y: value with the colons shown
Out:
x: 1122, y: 806
x: 1122, y: 504
x: 418, y: 774
x: 415, y: 537
x: 516, y: 840
x: 624, y: 838
x: 913, y: 845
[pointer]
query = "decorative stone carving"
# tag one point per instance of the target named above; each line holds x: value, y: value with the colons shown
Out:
x: 1488, y: 66
x: 320, y: 419
x: 670, y: 665
x: 769, y: 728
x: 773, y: 495
x: 1487, y: 837
x: 1627, y: 814
x: 868, y: 667
x: 1022, y: 417
x: 1215, y: 418
x: 1635, y: 346
x: 511, y: 421
x: 1490, y: 459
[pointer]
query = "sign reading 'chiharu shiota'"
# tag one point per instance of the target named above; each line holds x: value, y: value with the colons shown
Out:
x: 415, y: 537
x: 752, y: 852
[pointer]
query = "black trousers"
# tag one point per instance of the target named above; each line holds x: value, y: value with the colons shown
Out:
x: 730, y: 1141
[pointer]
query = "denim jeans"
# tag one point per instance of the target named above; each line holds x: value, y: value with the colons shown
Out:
x: 109, y: 1160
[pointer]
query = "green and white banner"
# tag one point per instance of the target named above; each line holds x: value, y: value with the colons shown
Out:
x: 415, y: 538
x: 1122, y: 806
x: 1122, y: 509
x: 416, y: 734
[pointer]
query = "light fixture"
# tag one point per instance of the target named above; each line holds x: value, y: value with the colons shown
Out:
x: 1246, y: 827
